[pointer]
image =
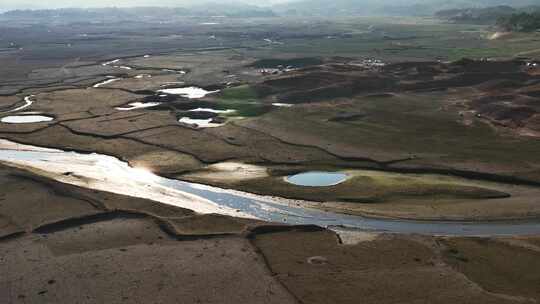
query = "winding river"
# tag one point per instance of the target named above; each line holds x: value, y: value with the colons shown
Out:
x: 106, y: 173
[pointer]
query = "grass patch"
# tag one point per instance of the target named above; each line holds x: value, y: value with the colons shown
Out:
x: 495, y: 266
x: 244, y: 92
x: 247, y: 109
x: 243, y: 99
x: 403, y: 126
x: 376, y: 187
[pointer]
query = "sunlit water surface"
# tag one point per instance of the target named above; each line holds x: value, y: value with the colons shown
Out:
x: 107, y: 173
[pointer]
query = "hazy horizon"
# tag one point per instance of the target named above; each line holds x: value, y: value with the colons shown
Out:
x: 17, y: 4
x: 304, y: 5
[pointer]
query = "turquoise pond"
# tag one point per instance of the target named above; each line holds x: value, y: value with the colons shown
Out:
x: 317, y: 179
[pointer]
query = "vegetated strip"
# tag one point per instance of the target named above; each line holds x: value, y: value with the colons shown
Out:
x: 385, y: 166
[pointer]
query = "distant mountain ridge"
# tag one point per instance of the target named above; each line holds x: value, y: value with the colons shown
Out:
x: 329, y: 8
x: 141, y: 13
x: 387, y: 7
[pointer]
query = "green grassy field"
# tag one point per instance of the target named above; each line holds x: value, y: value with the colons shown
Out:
x: 413, y: 125
x: 397, y: 39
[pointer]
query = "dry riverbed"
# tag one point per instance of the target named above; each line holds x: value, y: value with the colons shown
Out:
x: 65, y: 244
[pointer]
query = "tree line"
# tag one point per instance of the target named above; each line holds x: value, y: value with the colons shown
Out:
x: 520, y: 22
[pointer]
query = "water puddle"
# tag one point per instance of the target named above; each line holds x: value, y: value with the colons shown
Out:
x: 188, y: 92
x: 28, y: 101
x: 228, y: 111
x: 105, y: 82
x: 24, y: 119
x: 283, y: 105
x: 205, y: 117
x: 113, y: 63
x: 138, y: 105
x: 110, y: 62
x: 174, y: 71
x: 141, y: 76
x: 200, y: 123
x: 317, y: 179
x: 270, y: 41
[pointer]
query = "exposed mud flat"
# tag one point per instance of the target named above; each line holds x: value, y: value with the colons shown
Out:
x: 318, y: 272
x: 117, y: 248
x: 231, y: 171
x: 132, y: 248
x: 99, y: 233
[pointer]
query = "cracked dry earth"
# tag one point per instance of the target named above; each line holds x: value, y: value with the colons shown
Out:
x: 64, y: 244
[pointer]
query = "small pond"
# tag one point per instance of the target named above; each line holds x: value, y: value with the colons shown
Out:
x: 200, y: 123
x: 228, y: 111
x: 188, y: 92
x: 317, y: 179
x: 138, y: 105
x: 21, y: 119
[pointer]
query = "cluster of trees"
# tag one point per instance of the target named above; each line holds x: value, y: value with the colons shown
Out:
x: 521, y: 22
x: 524, y: 19
x: 488, y: 15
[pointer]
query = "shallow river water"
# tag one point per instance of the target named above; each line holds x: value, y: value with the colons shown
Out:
x: 107, y: 173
